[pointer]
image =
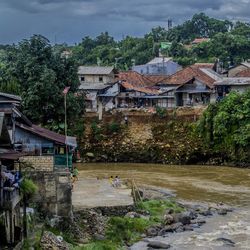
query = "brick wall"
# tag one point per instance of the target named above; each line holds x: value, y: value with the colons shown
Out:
x: 39, y: 163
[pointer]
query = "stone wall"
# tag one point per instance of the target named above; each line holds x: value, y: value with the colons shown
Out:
x: 39, y: 163
x: 113, y: 210
x: 54, y: 193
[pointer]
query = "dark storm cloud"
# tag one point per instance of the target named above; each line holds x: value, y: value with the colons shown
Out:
x: 70, y: 20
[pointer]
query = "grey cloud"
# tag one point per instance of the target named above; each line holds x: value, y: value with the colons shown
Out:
x: 70, y: 20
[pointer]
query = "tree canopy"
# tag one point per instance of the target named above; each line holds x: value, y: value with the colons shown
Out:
x: 225, y: 126
x: 39, y: 74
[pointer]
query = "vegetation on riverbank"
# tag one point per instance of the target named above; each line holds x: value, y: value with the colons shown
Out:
x: 225, y: 128
x: 220, y: 136
x: 122, y: 231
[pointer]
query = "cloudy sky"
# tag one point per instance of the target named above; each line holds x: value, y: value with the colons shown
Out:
x: 70, y: 20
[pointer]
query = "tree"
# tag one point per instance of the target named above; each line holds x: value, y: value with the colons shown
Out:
x: 225, y: 127
x: 42, y: 74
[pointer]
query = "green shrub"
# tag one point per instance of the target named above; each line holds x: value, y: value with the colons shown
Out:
x: 28, y: 187
x: 121, y: 230
x: 161, y: 112
x: 96, y: 132
x: 113, y: 128
x: 157, y: 208
x: 99, y: 245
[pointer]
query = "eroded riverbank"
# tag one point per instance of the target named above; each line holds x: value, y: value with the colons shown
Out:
x: 194, y: 184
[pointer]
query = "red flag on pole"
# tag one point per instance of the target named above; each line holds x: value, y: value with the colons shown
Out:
x: 66, y: 90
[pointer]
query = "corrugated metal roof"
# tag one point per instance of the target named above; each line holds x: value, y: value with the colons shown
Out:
x: 45, y: 133
x: 10, y: 154
x: 234, y: 81
x: 94, y: 70
x: 15, y: 97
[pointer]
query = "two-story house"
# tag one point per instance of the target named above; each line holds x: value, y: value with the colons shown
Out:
x: 100, y: 86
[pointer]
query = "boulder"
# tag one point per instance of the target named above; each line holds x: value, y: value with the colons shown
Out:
x: 168, y: 219
x: 173, y: 228
x: 183, y: 218
x: 222, y: 211
x: 207, y: 212
x: 158, y: 245
x: 152, y: 231
x: 198, y: 222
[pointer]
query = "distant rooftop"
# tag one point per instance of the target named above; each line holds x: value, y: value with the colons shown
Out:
x: 200, y: 40
x: 94, y: 70
x: 159, y: 60
x: 234, y: 81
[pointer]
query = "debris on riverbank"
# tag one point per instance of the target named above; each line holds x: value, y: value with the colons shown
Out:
x: 157, y: 215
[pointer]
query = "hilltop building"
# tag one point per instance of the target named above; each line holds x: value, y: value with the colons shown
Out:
x: 158, y: 66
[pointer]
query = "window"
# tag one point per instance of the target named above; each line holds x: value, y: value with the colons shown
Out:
x: 100, y: 79
x: 82, y: 78
x: 47, y: 149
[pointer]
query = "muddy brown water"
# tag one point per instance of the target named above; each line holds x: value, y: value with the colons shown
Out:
x: 197, y: 184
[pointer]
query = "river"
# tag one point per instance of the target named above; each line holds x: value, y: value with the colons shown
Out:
x: 208, y: 184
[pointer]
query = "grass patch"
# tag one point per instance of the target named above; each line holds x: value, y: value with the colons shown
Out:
x: 126, y: 230
x: 157, y: 208
x: 100, y: 245
x: 123, y: 230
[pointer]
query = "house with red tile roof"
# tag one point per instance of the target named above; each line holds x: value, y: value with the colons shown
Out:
x: 200, y: 40
x: 137, y: 91
x: 193, y: 85
x: 236, y: 70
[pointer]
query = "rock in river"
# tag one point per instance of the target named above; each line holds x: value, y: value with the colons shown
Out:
x: 184, y: 218
x: 226, y: 242
x: 158, y: 245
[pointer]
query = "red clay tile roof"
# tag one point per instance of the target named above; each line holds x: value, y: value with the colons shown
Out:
x: 145, y: 90
x: 136, y: 79
x: 244, y: 73
x: 203, y: 65
x: 187, y: 74
x: 200, y: 40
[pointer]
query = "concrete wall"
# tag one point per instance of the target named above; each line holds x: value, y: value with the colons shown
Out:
x: 95, y: 78
x: 54, y: 193
x: 39, y: 163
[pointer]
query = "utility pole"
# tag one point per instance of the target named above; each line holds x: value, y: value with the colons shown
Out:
x: 65, y: 91
x: 65, y: 126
